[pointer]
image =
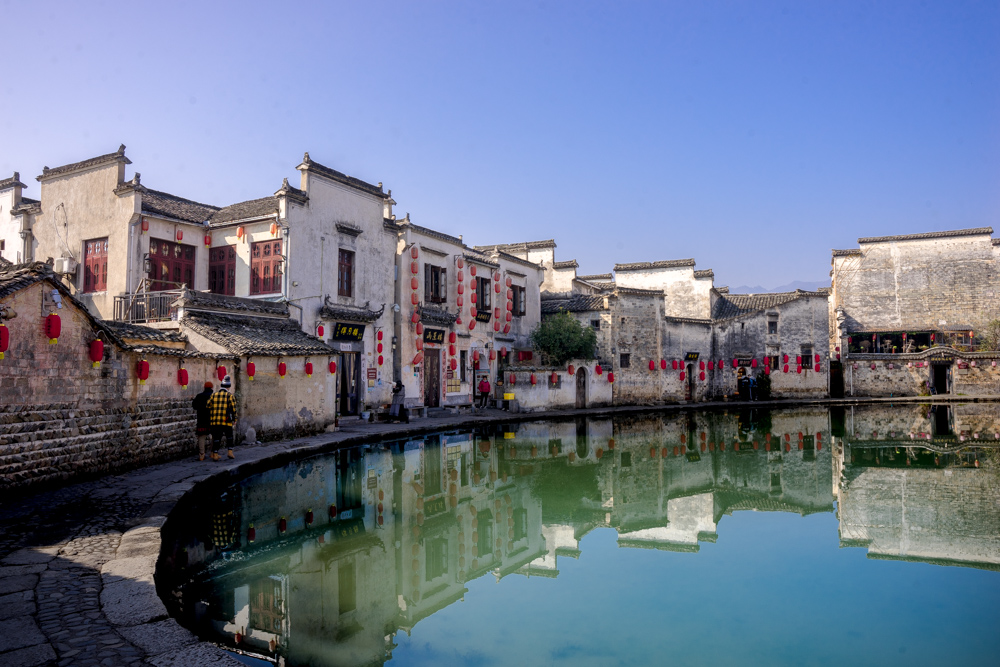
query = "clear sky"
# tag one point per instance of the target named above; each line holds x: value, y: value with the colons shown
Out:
x: 752, y: 136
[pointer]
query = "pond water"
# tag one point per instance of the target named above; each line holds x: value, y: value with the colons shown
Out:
x: 800, y: 537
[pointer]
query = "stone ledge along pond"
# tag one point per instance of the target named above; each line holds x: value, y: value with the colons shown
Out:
x: 865, y: 535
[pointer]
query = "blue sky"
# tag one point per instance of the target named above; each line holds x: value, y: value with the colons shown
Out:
x: 752, y: 136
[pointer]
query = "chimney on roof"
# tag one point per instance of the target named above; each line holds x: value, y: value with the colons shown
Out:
x: 387, y: 204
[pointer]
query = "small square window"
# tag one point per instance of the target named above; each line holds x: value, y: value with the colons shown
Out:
x: 595, y: 323
x: 624, y: 360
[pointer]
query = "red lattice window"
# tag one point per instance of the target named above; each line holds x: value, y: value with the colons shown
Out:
x: 171, y: 265
x: 222, y: 270
x: 265, y: 267
x: 95, y: 265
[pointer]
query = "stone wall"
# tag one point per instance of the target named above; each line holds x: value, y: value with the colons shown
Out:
x: 908, y: 375
x: 62, y: 418
x: 544, y: 395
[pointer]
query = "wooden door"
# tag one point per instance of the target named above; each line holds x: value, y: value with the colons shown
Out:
x: 350, y: 380
x: 581, y: 388
x: 432, y: 378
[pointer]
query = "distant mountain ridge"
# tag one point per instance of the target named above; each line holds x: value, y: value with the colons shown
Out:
x: 807, y: 285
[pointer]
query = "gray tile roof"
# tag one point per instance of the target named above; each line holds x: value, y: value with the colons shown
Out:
x: 433, y: 233
x: 846, y: 253
x: 432, y: 315
x: 525, y: 245
x: 507, y: 257
x: 578, y: 303
x: 480, y: 258
x: 259, y: 336
x: 664, y: 264
x: 155, y: 202
x: 117, y: 156
x: 335, y: 311
x: 729, y: 306
x: 254, y: 208
x: 5, y: 263
x: 128, y: 331
x: 706, y: 273
x: 635, y: 291
x: 192, y: 300
x: 340, y: 177
x: 605, y: 277
x: 928, y: 235
x: 569, y: 264
x: 8, y: 183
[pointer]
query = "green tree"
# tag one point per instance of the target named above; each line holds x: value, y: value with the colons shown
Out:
x: 560, y: 338
x: 988, y: 336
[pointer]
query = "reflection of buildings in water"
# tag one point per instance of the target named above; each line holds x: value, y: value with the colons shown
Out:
x: 928, y: 493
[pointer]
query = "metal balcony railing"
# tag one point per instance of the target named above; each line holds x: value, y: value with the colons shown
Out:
x: 145, y: 306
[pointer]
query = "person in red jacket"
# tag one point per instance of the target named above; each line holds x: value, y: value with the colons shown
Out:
x: 484, y: 391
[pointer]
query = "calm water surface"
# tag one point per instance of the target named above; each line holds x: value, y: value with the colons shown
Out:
x: 800, y: 537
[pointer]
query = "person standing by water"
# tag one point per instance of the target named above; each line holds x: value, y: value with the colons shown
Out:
x: 396, y: 410
x: 222, y: 416
x: 484, y: 391
x: 202, y: 419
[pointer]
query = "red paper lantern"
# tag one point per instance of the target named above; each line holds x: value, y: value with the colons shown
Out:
x: 451, y: 349
x: 4, y: 339
x: 145, y: 225
x: 508, y: 281
x: 414, y: 253
x: 461, y: 288
x: 673, y: 364
x: 817, y: 358
x: 798, y: 369
x: 508, y: 317
x: 180, y: 235
x: 182, y: 377
x: 496, y: 276
x: 472, y: 311
x: 320, y: 330
x: 554, y: 378
x: 454, y: 363
x: 701, y: 365
x: 332, y: 511
x: 459, y: 263
x: 419, y: 343
x: 96, y: 351
x: 506, y: 328
x: 53, y: 327
x: 420, y: 328
x: 753, y: 363
x: 473, y: 298
x: 652, y: 365
x: 452, y: 337
x: 611, y: 376
x: 251, y: 370
x: 414, y: 268
x: 472, y: 325
x: 598, y: 369
x: 785, y: 360
x: 221, y: 372
x: 414, y: 284
x: 533, y: 380
x: 798, y: 359
x: 721, y: 364
x: 510, y: 294
x: 240, y: 232
x: 414, y: 299
x: 817, y: 368
x: 282, y: 369
x: 663, y: 364
x: 701, y: 376
x: 683, y: 375
x: 282, y: 525
x: 472, y: 270
x: 475, y: 356
x: 461, y: 275
x: 493, y: 355
x: 785, y: 368
x: 208, y: 240
x: 496, y: 325
x: 309, y: 368
x: 415, y: 317
x: 418, y: 358
x: 510, y: 306
x: 142, y: 371
x: 513, y: 378
x: 736, y: 363
x: 571, y: 370
x: 333, y: 367
x: 496, y: 288
x: 767, y: 370
x: 378, y: 348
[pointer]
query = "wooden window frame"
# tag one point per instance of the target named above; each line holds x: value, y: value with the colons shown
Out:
x: 266, y: 267
x: 178, y: 259
x: 519, y: 294
x: 345, y: 272
x: 435, y: 284
x: 95, y: 265
x: 222, y: 258
x: 484, y: 289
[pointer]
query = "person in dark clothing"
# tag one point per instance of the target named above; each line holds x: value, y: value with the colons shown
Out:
x: 396, y: 410
x: 222, y: 417
x: 201, y: 429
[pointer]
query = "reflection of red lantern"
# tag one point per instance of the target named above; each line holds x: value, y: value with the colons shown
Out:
x: 182, y: 377
x: 251, y: 370
x: 513, y: 378
x: 533, y: 380
x: 309, y: 517
x: 282, y: 525
x: 96, y: 351
x: 251, y: 534
x: 4, y: 339
x: 53, y: 327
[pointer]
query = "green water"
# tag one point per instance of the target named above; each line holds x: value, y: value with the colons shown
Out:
x: 865, y: 536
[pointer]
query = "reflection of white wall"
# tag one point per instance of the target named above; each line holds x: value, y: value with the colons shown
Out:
x: 556, y: 536
x: 687, y: 517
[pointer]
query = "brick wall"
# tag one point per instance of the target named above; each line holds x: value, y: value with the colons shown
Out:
x: 61, y: 418
x: 908, y: 376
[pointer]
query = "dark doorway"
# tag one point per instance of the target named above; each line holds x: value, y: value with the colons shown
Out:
x: 689, y: 387
x: 940, y: 420
x: 941, y: 375
x: 432, y: 378
x: 581, y: 388
x: 350, y: 381
x: 836, y: 379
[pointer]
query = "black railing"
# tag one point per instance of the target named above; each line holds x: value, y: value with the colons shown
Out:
x: 145, y: 306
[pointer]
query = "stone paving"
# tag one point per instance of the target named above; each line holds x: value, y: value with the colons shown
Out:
x: 77, y: 563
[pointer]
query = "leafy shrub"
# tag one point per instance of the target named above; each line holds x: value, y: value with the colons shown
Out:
x: 560, y: 338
